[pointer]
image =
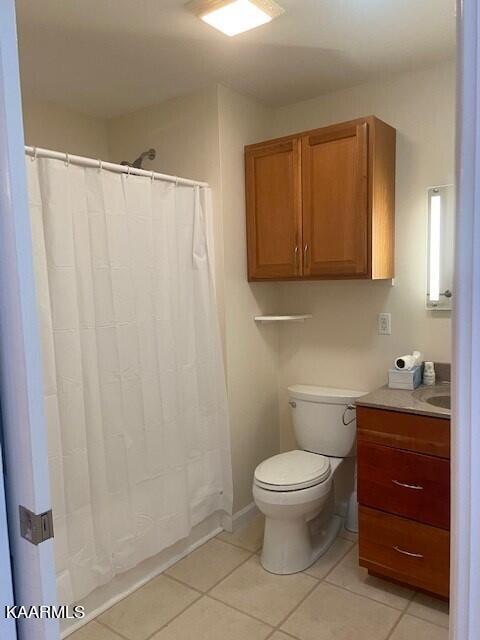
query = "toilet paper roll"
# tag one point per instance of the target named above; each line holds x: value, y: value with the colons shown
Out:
x: 406, y: 363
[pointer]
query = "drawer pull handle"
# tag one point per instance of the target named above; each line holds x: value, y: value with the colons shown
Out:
x: 408, y: 553
x: 416, y: 487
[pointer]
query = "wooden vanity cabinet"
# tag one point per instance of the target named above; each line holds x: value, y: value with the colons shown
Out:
x: 320, y: 204
x: 404, y: 497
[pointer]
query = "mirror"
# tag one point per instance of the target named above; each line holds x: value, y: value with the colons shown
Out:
x: 440, y: 254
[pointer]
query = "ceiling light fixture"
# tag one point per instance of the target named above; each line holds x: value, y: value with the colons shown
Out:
x: 235, y: 16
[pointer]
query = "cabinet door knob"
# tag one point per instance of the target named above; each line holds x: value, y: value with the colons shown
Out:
x: 416, y: 487
x: 408, y: 553
x: 305, y: 251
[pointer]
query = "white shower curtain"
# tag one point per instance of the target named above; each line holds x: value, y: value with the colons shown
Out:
x: 134, y: 383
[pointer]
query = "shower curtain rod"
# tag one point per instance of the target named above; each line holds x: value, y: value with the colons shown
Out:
x: 37, y: 152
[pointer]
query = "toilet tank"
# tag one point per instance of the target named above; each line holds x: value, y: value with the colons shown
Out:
x: 322, y: 419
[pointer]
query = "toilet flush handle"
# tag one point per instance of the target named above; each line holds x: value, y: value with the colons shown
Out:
x: 349, y: 407
x: 292, y: 403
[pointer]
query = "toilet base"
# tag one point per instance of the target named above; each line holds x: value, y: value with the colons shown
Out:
x: 290, y: 547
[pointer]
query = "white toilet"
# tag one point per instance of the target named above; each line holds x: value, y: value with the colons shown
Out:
x: 294, y: 490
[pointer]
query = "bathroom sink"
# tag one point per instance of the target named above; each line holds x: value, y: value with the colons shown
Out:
x: 440, y: 401
x: 437, y: 396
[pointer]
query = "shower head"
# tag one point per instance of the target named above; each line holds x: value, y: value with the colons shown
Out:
x: 150, y: 154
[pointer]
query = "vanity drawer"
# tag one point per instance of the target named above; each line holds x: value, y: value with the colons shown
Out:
x: 422, y: 434
x: 406, y: 551
x: 408, y: 484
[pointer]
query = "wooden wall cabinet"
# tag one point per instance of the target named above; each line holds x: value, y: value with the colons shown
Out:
x: 404, y: 498
x: 320, y: 204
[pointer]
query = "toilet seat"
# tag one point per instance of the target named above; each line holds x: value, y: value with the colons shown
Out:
x: 292, y: 471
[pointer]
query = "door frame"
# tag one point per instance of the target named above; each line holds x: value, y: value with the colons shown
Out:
x: 37, y: 563
x: 21, y: 389
x: 8, y: 629
x: 465, y: 549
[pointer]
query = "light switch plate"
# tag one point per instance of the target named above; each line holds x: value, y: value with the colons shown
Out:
x: 384, y: 324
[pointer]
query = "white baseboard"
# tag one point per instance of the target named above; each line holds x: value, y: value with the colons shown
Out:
x: 240, y: 518
x: 124, y: 584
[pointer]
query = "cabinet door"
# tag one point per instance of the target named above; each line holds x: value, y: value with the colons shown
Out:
x: 335, y: 201
x: 274, y: 210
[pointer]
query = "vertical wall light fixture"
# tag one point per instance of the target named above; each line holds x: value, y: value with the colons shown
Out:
x: 441, y: 222
x: 434, y: 246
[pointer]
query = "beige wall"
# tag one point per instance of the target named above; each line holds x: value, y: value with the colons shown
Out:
x: 251, y: 349
x: 202, y: 136
x: 340, y: 346
x: 55, y: 127
x: 183, y: 131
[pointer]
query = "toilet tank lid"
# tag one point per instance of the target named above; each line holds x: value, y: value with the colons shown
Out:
x: 328, y: 395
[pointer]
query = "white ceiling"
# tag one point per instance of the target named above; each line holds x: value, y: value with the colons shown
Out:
x: 107, y: 57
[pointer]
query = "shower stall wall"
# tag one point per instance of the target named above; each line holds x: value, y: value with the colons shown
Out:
x: 135, y: 396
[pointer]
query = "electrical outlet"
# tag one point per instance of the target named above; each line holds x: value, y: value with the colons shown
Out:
x: 384, y: 324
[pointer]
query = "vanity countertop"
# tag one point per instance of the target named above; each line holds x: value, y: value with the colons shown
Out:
x: 408, y: 401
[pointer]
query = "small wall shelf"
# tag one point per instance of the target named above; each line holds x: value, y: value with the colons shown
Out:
x: 294, y: 318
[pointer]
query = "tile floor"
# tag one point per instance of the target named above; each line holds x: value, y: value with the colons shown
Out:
x: 221, y: 592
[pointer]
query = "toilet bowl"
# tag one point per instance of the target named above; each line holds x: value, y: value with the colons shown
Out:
x: 289, y: 544
x: 295, y: 490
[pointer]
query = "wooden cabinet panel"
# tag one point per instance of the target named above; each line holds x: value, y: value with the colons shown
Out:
x: 274, y: 210
x: 404, y: 496
x: 423, y: 434
x: 406, y: 551
x: 321, y: 204
x: 335, y: 203
x: 382, y: 142
x: 408, y: 484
